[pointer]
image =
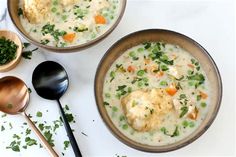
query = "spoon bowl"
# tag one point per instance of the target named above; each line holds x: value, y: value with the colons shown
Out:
x: 50, y: 80
x: 14, y: 95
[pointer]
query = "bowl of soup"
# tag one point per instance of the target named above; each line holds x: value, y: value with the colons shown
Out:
x: 65, y: 25
x: 157, y: 90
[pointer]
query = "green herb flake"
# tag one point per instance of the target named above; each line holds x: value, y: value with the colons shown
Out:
x: 164, y: 68
x: 29, y: 90
x: 20, y: 12
x: 2, y: 128
x: 27, y: 132
x: 191, y: 124
x: 14, y: 147
x: 176, y: 132
x: 39, y: 114
x: 48, y: 136
x: 185, y: 124
x: 182, y: 96
x: 30, y: 142
x: 28, y: 54
x: 184, y: 110
x: 66, y: 144
x: 108, y: 95
x: 25, y: 45
x: 198, y: 97
x: 16, y: 136
x: 106, y: 103
x: 114, y: 109
x: 41, y: 126
x: 203, y: 104
x: 69, y: 117
x: 163, y: 83
x: 10, y: 125
x: 112, y: 75
x: 67, y: 107
x: 125, y: 126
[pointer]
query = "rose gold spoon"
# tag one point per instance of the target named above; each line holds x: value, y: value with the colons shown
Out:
x: 14, y: 100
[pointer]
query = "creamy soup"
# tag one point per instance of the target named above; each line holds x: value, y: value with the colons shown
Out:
x: 156, y: 93
x: 64, y: 23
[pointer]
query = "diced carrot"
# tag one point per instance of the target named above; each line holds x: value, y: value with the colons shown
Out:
x: 146, y: 61
x: 131, y: 68
x: 174, y: 56
x: 99, y: 19
x: 193, y: 115
x: 171, y: 90
x: 69, y: 37
x: 160, y: 73
x: 203, y: 95
x: 191, y: 66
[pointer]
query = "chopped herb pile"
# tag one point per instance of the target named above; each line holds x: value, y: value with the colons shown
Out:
x: 7, y: 50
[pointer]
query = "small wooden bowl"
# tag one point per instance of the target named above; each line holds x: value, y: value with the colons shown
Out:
x: 13, y: 37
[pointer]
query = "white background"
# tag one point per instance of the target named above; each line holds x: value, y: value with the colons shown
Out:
x: 211, y: 23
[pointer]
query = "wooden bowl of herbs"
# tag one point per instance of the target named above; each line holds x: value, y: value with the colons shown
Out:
x: 10, y: 50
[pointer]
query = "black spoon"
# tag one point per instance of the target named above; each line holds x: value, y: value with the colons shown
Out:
x: 51, y: 81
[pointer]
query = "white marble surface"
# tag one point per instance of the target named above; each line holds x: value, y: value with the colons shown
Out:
x: 211, y: 23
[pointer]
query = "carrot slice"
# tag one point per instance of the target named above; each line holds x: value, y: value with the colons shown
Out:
x: 146, y: 61
x: 171, y: 90
x: 69, y: 37
x: 131, y: 68
x: 99, y: 19
x: 160, y: 73
x: 191, y: 66
x: 203, y: 95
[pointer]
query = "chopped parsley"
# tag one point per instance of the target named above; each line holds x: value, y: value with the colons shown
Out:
x: 184, y: 110
x: 20, y: 12
x: 39, y: 114
x: 28, y: 54
x: 7, y: 50
x: 66, y: 144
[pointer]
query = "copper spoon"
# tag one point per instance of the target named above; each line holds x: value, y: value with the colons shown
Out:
x: 14, y: 100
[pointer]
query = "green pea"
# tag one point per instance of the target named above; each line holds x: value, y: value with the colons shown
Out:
x: 140, y: 72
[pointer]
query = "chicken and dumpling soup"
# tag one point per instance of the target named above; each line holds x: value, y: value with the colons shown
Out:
x: 156, y: 93
x: 64, y: 23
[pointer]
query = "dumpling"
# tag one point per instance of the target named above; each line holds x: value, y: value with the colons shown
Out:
x: 36, y: 10
x: 145, y: 108
x: 68, y: 2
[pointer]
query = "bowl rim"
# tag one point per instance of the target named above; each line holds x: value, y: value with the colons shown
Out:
x: 147, y: 148
x: 13, y: 63
x: 70, y: 49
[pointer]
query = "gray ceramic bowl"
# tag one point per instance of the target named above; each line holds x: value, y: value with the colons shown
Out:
x: 171, y: 37
x: 13, y: 12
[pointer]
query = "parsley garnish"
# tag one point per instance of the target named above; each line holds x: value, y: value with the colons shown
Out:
x: 184, y: 110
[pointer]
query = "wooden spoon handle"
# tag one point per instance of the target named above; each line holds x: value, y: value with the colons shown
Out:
x: 41, y: 137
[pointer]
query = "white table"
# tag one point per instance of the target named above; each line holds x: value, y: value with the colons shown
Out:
x: 211, y: 23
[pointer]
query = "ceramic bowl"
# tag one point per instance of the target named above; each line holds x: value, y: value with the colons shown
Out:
x: 13, y: 12
x: 155, y: 35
